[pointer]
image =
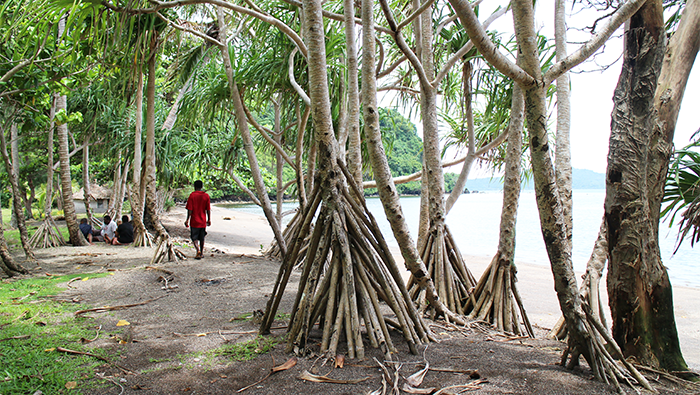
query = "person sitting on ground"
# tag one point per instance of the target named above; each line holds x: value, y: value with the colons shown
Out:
x: 86, y: 228
x: 124, y: 232
x: 108, y: 229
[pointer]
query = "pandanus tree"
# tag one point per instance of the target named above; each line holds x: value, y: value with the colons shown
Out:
x: 586, y: 334
x: 347, y: 268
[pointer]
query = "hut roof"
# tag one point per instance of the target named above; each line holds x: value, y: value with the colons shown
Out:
x: 97, y: 191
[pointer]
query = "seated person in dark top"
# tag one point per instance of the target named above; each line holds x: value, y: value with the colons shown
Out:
x: 124, y: 233
x: 86, y: 228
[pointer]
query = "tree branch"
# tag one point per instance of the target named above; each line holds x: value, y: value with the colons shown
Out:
x: 467, y: 47
x: 587, y: 49
x: 188, y: 30
x: 484, y: 44
x: 403, y: 46
x: 417, y: 175
x: 293, y: 81
x: 159, y: 5
x: 264, y: 132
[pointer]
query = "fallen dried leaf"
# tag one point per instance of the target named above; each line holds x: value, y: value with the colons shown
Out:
x: 412, y: 390
x: 71, y: 384
x: 201, y: 334
x: 123, y: 323
x: 50, y: 349
x: 85, y: 279
x: 287, y: 365
x: 305, y: 375
x: 416, y: 378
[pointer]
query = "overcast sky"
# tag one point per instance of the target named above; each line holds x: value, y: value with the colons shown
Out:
x: 592, y: 89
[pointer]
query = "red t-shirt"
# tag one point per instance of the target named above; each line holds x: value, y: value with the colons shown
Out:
x: 198, y: 204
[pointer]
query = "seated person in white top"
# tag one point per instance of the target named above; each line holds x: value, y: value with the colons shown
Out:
x: 108, y: 229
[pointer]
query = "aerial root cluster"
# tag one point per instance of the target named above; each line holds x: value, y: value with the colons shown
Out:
x: 496, y: 299
x: 596, y: 342
x: 453, y: 280
x: 349, y: 278
x: 47, y: 235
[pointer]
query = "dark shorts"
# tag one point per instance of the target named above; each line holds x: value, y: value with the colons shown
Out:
x: 198, y: 233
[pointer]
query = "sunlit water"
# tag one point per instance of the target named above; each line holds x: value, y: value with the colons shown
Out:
x: 474, y: 223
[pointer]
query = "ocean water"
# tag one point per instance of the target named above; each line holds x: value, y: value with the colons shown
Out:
x: 475, y: 218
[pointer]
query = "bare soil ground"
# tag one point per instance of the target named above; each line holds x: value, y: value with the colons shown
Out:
x: 168, y: 346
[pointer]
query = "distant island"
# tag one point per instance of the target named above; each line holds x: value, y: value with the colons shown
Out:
x: 583, y: 179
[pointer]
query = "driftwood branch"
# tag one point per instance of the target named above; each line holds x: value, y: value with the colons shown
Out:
x: 112, y: 308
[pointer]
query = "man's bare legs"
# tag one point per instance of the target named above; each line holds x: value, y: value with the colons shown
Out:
x: 199, y: 248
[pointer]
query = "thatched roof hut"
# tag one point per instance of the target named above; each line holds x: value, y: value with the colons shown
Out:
x: 100, y: 203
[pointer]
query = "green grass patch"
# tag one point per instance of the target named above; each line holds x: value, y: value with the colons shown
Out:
x: 245, y: 351
x: 32, y: 326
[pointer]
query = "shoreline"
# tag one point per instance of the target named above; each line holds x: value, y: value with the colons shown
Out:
x: 240, y: 232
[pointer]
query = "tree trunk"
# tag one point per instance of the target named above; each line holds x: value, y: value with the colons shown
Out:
x: 496, y: 299
x: 151, y: 203
x: 468, y: 113
x: 120, y: 192
x: 385, y: 183
x: 16, y: 165
x: 75, y: 236
x: 640, y: 293
x: 87, y: 193
x: 48, y: 234
x: 279, y: 164
x: 16, y: 201
x: 562, y: 160
x: 552, y: 219
x: 260, y: 188
x: 7, y: 263
x: 138, y: 186
x: 354, y: 155
x: 345, y: 237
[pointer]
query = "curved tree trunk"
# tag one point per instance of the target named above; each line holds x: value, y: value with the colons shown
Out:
x: 165, y: 249
x: 235, y: 95
x: 585, y: 332
x: 440, y: 254
x: 16, y: 165
x: 75, y: 235
x: 385, y: 184
x: 16, y: 200
x: 7, y: 263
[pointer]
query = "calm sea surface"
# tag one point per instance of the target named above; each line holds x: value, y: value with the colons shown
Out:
x: 474, y: 222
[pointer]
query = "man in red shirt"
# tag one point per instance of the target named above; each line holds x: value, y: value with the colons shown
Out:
x: 199, y: 209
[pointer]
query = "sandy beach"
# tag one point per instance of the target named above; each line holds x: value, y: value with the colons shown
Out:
x: 239, y: 232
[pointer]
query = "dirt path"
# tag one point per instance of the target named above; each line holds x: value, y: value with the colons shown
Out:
x: 174, y: 338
